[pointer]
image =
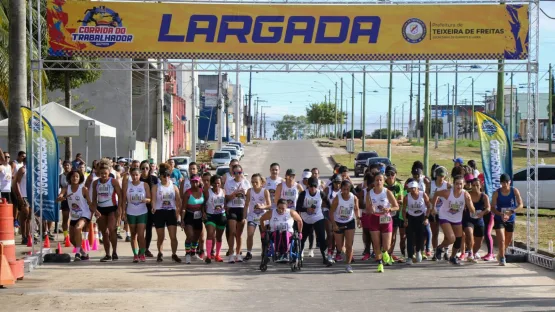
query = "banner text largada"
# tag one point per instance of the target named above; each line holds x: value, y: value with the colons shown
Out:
x: 266, y: 31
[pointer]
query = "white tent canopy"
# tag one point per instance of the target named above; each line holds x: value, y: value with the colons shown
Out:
x: 64, y: 121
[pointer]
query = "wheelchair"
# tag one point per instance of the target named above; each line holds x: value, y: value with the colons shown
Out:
x: 269, y: 252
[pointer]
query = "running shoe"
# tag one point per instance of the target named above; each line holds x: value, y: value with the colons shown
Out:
x: 135, y: 259
x: 119, y: 236
x: 24, y: 241
x: 77, y: 257
x: 248, y: 256
x: 409, y: 261
x: 207, y: 260
x: 455, y: 261
x: 401, y: 260
x: 231, y: 259
x: 428, y: 254
x: 16, y: 224
x: 197, y: 257
x: 387, y: 259
x: 176, y: 258
x: 438, y: 254
x: 424, y: 255
x: 311, y: 253
x: 477, y: 256
x: 489, y: 257
x: 471, y: 259
x: 84, y: 257
x: 348, y: 269
x: 142, y: 258
x: 446, y: 255
x: 200, y: 255
x: 380, y: 268
x: 502, y: 262
x: 106, y: 258
x: 330, y: 259
x: 366, y: 257
x: 218, y: 258
x: 418, y: 257
x: 338, y: 257
x: 434, y: 258
x: 159, y: 257
x: 127, y: 239
x: 187, y: 259
x: 327, y: 262
x: 51, y: 236
x: 462, y: 256
x: 148, y: 254
x: 115, y: 256
x: 395, y: 258
x: 239, y: 258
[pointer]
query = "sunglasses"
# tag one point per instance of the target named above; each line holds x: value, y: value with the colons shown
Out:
x: 389, y: 174
x: 238, y: 172
x: 145, y: 168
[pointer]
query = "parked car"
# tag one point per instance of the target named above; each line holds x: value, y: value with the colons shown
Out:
x: 235, y: 147
x: 375, y: 160
x: 221, y: 171
x: 357, y: 133
x: 360, y: 161
x: 220, y: 158
x: 546, y: 185
x: 234, y: 153
x: 182, y: 162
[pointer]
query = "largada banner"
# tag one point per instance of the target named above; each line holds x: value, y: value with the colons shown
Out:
x: 317, y: 32
x: 497, y: 151
x: 45, y: 155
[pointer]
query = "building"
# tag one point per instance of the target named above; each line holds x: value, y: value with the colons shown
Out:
x: 186, y: 86
x: 208, y: 111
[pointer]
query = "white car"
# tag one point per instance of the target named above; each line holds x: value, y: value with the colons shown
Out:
x: 182, y: 162
x: 234, y: 153
x: 546, y: 185
x: 220, y: 158
x: 237, y: 148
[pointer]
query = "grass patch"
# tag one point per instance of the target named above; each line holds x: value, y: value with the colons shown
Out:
x: 546, y: 231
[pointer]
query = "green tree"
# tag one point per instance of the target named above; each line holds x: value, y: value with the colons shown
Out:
x: 321, y: 114
x: 435, y: 124
x: 69, y: 79
x: 382, y: 134
x: 289, y: 127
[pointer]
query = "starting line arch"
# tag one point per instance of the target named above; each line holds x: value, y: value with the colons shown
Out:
x: 300, y: 37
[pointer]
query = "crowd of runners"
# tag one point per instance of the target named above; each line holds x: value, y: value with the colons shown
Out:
x: 144, y: 196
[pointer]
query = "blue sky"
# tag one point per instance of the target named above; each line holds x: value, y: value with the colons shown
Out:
x: 291, y: 93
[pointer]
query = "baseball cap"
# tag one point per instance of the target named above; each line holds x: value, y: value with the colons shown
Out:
x: 313, y: 182
x: 337, y: 179
x: 195, y: 177
x: 469, y: 177
x: 504, y: 178
x: 290, y: 172
x: 412, y: 184
x: 307, y: 174
x: 440, y: 171
x: 458, y: 160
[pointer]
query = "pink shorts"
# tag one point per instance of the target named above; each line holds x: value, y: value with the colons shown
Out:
x: 365, y: 221
x: 375, y: 225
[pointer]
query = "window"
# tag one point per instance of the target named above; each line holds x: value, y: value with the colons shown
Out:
x: 521, y: 175
x: 180, y: 161
x: 221, y: 155
x: 546, y: 174
x: 364, y: 156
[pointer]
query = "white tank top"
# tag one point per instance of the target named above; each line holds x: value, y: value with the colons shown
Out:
x: 106, y: 194
x: 231, y: 186
x: 434, y: 189
x: 290, y: 194
x: 271, y: 186
x: 282, y: 222
x: 135, y: 196
x: 331, y: 196
x: 379, y: 201
x: 63, y: 180
x: 345, y: 211
x: 421, y: 184
x: 17, y: 167
x: 452, y: 208
x: 6, y: 179
x: 165, y: 197
x: 23, y: 184
x: 78, y: 206
x: 215, y: 202
x: 186, y: 185
x: 314, y: 202
x: 94, y: 178
x: 256, y: 198
x: 416, y: 207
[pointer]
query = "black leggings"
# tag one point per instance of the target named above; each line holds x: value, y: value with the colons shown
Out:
x: 415, y: 234
x: 320, y: 229
x: 149, y: 225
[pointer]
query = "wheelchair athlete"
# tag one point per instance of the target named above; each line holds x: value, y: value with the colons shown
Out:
x: 282, y: 223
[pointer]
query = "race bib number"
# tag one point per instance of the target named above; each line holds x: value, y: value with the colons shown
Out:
x: 137, y: 198
x: 476, y: 213
x: 238, y: 201
x: 454, y: 208
x: 507, y: 211
x: 283, y: 227
x: 197, y: 215
x: 344, y: 212
x: 393, y: 213
x: 385, y: 219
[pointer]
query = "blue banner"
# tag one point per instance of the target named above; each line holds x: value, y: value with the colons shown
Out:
x: 497, y: 151
x: 43, y: 174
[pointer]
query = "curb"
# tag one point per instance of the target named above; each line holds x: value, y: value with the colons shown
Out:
x: 32, y: 262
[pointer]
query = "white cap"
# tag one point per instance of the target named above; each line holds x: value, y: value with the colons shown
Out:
x: 307, y: 174
x: 412, y: 184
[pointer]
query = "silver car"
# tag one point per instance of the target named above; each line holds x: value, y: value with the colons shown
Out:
x: 220, y: 158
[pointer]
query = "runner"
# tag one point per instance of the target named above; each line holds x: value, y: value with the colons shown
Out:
x: 135, y: 164
x: 150, y: 180
x: 105, y: 191
x: 507, y: 202
x: 305, y: 176
x: 24, y: 213
x: 468, y: 177
x: 365, y: 214
x: 423, y: 185
x: 381, y: 203
x: 191, y: 214
x: 272, y: 182
x: 136, y: 196
x: 316, y: 174
x: 331, y: 192
x: 309, y: 204
x: 474, y: 224
x: 228, y: 175
x: 396, y: 188
x: 77, y: 197
x: 450, y: 217
x: 215, y: 217
x: 256, y: 204
x: 310, y: 235
x: 343, y: 212
x: 175, y: 175
x: 166, y: 206
x: 472, y: 164
x: 63, y: 182
x: 6, y: 177
x: 235, y: 190
x: 283, y: 220
x: 415, y: 214
x: 439, y: 184
x: 289, y: 190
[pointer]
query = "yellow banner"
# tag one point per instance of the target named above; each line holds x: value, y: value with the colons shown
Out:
x: 287, y: 31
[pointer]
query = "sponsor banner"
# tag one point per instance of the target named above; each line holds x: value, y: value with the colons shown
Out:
x: 497, y: 151
x: 210, y: 98
x: 45, y: 185
x: 286, y: 31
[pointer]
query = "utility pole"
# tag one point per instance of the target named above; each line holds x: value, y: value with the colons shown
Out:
x: 402, y: 118
x: 194, y: 123
x: 454, y: 125
x: 410, y: 103
x: 363, y: 108
x: 427, y: 117
x: 389, y: 110
x: 264, y: 125
x: 249, y: 118
x: 336, y: 134
x: 219, y: 107
x: 353, y: 109
x: 418, y: 134
x: 343, y: 129
x: 237, y: 107
x: 448, y: 96
x: 500, y: 105
x: 435, y: 121
x: 261, y: 107
x: 550, y: 110
x: 255, y: 124
x: 380, y: 131
x: 472, y: 117
x: 456, y: 93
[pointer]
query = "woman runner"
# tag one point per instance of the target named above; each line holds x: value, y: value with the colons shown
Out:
x: 289, y: 190
x: 331, y: 192
x: 415, y: 213
x: 166, y: 206
x: 396, y: 188
x: 150, y: 180
x: 64, y: 207
x: 439, y: 183
x: 235, y: 190
x: 381, y: 203
x: 272, y: 182
x: 281, y: 222
x: 136, y: 196
x: 215, y: 217
x: 474, y: 223
x: 191, y: 214
x: 258, y: 201
x: 343, y: 212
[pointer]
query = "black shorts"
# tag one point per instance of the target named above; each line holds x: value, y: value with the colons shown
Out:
x: 74, y: 222
x: 235, y: 214
x: 351, y: 225
x: 508, y: 226
x: 64, y: 206
x: 476, y: 225
x: 164, y: 218
x: 398, y: 222
x: 7, y: 196
x: 105, y: 211
x: 433, y: 218
x: 191, y: 221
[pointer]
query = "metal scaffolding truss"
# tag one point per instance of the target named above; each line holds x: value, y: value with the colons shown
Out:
x: 529, y: 66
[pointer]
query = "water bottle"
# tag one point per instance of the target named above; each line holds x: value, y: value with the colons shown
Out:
x: 550, y: 246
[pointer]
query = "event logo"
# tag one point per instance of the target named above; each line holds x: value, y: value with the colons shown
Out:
x: 35, y: 124
x: 414, y: 30
x: 102, y: 27
x: 489, y: 127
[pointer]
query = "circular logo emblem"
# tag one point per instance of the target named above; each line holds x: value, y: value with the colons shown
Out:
x: 414, y: 30
x: 489, y: 127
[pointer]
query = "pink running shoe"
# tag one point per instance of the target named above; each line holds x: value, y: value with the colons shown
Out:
x: 142, y: 258
x: 488, y: 257
x: 135, y: 259
x: 365, y: 257
x: 338, y: 257
x: 462, y: 257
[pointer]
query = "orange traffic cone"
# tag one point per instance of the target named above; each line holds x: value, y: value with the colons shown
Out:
x: 6, y: 276
x: 30, y: 240
x: 46, y: 242
x: 83, y: 246
x: 59, y: 250
x: 67, y: 243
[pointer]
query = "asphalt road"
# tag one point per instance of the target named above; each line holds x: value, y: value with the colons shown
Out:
x: 429, y: 286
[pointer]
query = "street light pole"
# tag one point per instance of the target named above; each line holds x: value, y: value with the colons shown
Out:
x: 410, y: 104
x: 342, y: 119
x: 472, y: 117
x: 427, y: 117
x: 418, y: 134
x: 550, y: 109
x: 363, y: 108
x: 336, y: 134
x: 249, y: 117
x: 437, y: 108
x: 456, y: 91
x: 389, y: 110
x: 353, y: 109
